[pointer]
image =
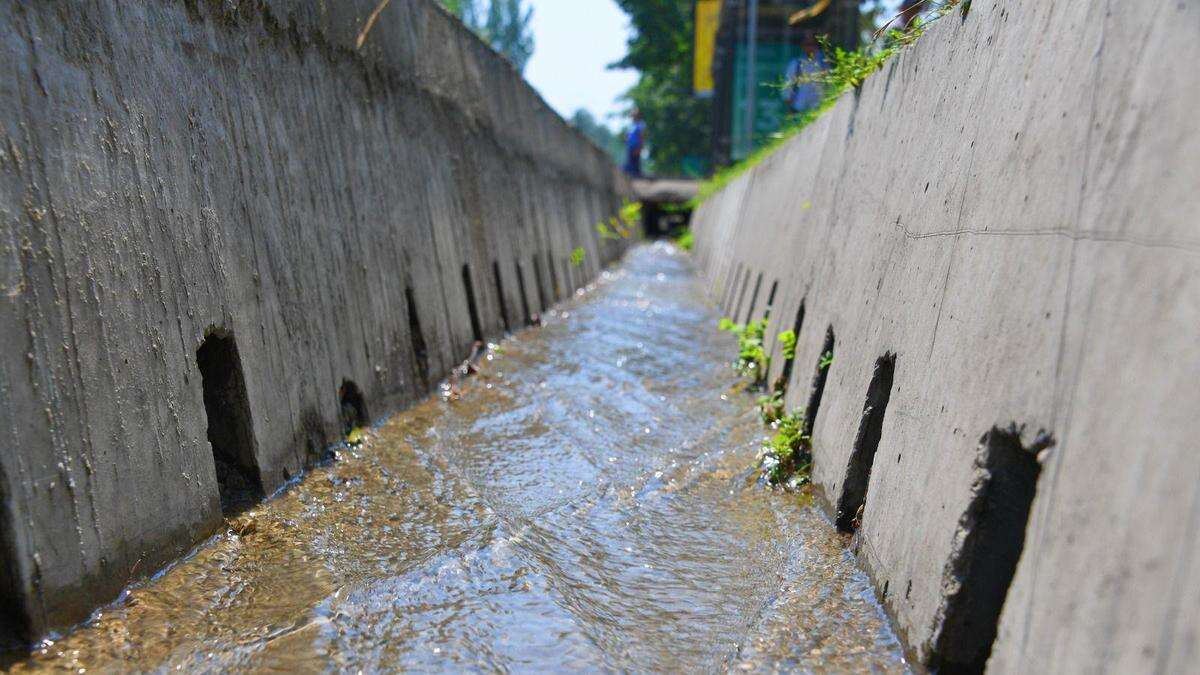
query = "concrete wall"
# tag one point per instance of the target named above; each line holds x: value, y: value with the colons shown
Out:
x: 1011, y: 208
x: 171, y: 168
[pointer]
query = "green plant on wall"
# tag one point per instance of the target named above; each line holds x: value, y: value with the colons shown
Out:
x: 577, y: 256
x: 787, y: 342
x: 631, y: 214
x: 752, y: 360
x: 685, y: 241
x: 770, y: 407
x: 624, y: 224
x: 786, y: 458
x: 826, y: 360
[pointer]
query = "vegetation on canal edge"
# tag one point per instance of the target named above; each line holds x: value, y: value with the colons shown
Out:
x: 826, y: 360
x: 685, y: 241
x: 622, y: 225
x: 786, y: 458
x: 577, y: 256
x: 848, y: 69
x: 770, y: 406
x: 752, y: 360
x: 787, y: 342
x: 356, y: 437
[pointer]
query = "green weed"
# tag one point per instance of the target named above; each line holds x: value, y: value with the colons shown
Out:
x: 685, y: 240
x: 786, y: 458
x: 826, y: 360
x: 577, y: 256
x: 631, y: 213
x: 770, y: 407
x: 787, y: 341
x: 752, y: 358
x: 622, y: 225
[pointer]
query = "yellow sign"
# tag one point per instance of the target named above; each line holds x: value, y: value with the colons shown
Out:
x: 708, y: 17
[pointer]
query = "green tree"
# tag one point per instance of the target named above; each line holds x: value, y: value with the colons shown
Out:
x: 507, y: 29
x: 505, y: 26
x: 601, y: 135
x: 661, y: 49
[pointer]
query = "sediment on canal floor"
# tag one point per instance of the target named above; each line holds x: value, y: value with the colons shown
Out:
x: 1017, y: 227
x: 330, y: 227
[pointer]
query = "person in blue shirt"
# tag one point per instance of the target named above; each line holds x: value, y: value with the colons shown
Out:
x: 802, y: 92
x: 634, y: 145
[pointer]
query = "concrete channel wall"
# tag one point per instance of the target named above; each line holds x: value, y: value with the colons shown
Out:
x: 1001, y: 228
x: 243, y: 176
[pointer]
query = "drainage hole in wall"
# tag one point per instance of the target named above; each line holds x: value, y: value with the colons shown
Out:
x: 541, y: 285
x: 771, y: 300
x: 500, y: 294
x: 988, y: 545
x: 527, y: 315
x: 352, y: 411
x: 785, y: 377
x: 230, y: 426
x: 472, y: 307
x: 754, y: 298
x: 866, y: 442
x: 824, y: 363
x: 417, y: 337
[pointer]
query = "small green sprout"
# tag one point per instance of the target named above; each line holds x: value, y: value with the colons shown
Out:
x: 786, y: 458
x: 685, y: 241
x: 577, y: 256
x: 631, y: 213
x: 770, y: 407
x: 752, y: 358
x: 787, y: 339
x: 826, y: 360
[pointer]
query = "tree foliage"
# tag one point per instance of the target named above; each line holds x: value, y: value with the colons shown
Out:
x: 661, y: 49
x: 505, y: 25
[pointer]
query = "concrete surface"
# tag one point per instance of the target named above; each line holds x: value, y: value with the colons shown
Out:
x: 665, y: 190
x: 173, y: 169
x: 1011, y: 208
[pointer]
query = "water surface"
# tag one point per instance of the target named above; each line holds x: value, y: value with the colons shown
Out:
x: 587, y: 501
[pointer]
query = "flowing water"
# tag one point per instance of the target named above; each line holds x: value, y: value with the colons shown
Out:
x: 587, y: 501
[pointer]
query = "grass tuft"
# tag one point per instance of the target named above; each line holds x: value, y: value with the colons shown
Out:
x: 786, y: 458
x: 752, y: 360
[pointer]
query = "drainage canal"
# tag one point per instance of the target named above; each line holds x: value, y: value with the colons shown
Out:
x: 584, y: 503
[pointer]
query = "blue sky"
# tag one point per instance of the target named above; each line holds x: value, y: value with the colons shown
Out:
x: 573, y: 42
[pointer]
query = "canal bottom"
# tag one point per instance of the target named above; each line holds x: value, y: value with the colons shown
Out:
x: 587, y: 501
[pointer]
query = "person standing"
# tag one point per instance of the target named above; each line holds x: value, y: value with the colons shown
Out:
x: 634, y: 145
x: 803, y: 91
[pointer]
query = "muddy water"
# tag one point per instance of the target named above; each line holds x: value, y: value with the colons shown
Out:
x: 586, y: 502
